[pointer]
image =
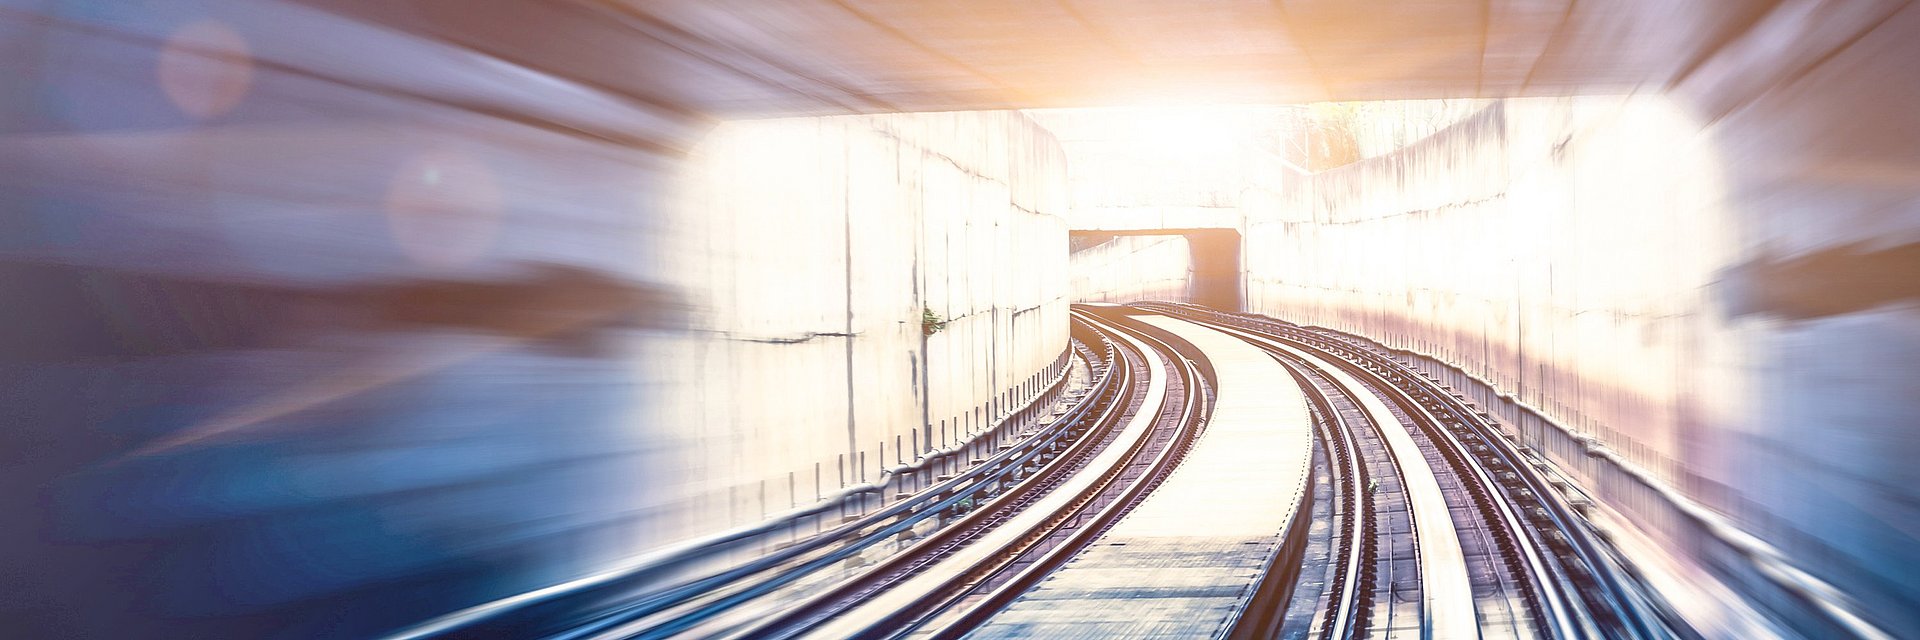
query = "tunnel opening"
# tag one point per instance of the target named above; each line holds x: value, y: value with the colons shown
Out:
x: 1210, y: 273
x: 834, y: 237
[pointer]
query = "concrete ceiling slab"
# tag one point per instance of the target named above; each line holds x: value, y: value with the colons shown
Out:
x: 1001, y: 54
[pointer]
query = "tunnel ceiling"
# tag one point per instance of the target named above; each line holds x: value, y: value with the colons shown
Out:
x: 805, y: 57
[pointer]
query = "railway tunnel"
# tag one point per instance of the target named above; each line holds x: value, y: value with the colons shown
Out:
x: 606, y: 319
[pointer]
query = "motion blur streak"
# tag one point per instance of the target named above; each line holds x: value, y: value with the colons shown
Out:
x: 324, y: 318
x: 314, y: 326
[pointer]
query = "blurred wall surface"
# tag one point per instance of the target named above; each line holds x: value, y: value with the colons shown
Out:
x: 323, y: 320
x: 1713, y: 308
x: 314, y: 328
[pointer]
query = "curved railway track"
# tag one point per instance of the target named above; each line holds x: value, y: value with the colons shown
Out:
x: 1567, y: 584
x: 1439, y: 525
x: 1357, y: 459
x: 1165, y: 415
x: 1442, y: 585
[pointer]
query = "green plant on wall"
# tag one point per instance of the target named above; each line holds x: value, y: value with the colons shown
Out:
x: 930, y: 322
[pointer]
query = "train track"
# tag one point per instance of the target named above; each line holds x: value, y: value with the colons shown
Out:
x: 1536, y: 571
x: 1164, y: 416
x: 1438, y: 600
x: 1441, y: 526
x: 1364, y: 567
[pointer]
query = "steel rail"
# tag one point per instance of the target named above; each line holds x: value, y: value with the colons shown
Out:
x: 1343, y: 620
x: 1558, y: 592
x: 1164, y: 460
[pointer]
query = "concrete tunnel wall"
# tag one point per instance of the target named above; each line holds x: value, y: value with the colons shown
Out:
x: 1595, y: 257
x: 819, y: 243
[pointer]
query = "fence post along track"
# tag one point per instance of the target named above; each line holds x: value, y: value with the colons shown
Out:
x: 1571, y: 577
